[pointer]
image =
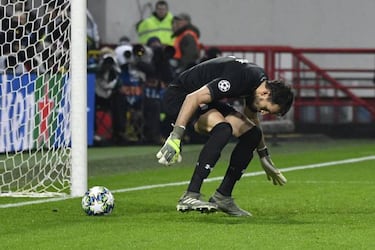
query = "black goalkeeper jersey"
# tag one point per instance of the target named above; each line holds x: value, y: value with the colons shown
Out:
x: 226, y: 77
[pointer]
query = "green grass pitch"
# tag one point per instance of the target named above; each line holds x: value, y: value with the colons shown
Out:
x: 331, y: 207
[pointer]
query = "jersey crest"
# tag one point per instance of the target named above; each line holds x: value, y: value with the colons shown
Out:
x: 223, y: 85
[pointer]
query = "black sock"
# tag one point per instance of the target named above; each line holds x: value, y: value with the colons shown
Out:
x: 240, y: 159
x: 196, y: 181
x: 227, y: 184
x: 219, y: 137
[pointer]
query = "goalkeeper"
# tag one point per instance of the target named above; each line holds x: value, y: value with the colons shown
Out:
x: 197, y: 96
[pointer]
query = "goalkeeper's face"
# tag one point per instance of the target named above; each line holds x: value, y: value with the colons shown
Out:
x: 263, y: 104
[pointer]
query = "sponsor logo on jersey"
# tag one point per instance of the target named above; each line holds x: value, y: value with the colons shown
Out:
x: 223, y: 85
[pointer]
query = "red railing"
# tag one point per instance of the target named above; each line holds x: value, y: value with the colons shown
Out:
x: 341, y: 92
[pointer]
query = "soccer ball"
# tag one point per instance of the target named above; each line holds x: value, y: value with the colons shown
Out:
x: 98, y: 200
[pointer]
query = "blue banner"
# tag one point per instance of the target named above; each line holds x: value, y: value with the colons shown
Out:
x: 34, y: 112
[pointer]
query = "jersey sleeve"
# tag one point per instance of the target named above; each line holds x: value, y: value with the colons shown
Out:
x: 235, y: 78
x: 224, y: 88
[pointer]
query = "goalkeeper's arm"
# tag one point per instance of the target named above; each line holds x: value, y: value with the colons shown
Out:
x: 170, y: 152
x: 268, y: 166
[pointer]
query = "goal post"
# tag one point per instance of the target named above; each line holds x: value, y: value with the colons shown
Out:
x: 43, y: 98
x: 79, y: 98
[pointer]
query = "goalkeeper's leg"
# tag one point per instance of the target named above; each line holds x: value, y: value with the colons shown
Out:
x: 208, y: 157
x: 240, y: 158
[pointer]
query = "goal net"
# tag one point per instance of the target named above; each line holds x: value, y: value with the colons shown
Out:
x: 36, y: 102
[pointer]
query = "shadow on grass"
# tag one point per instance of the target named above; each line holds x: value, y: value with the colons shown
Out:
x: 162, y: 213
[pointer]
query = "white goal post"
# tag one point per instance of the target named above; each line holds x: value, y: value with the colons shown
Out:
x: 43, y: 98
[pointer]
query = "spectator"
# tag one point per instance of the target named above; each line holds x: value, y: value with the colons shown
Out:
x: 186, y: 42
x: 162, y: 54
x: 119, y: 101
x: 107, y: 79
x: 52, y: 33
x: 210, y: 53
x: 107, y: 75
x: 135, y: 63
x: 123, y: 46
x: 9, y: 64
x: 16, y: 40
x: 159, y: 24
x: 55, y: 21
x: 155, y: 84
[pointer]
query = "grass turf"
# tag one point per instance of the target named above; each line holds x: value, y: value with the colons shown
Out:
x: 323, y: 208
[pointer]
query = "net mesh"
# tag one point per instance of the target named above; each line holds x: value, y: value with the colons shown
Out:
x: 35, y: 152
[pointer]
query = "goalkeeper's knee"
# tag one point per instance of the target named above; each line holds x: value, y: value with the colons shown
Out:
x: 251, y: 137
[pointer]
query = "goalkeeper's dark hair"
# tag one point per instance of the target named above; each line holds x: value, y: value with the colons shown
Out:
x: 281, y: 94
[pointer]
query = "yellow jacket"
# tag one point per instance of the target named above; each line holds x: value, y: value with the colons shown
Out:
x: 152, y: 26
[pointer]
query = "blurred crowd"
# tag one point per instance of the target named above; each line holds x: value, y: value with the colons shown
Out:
x: 29, y: 35
x: 132, y: 75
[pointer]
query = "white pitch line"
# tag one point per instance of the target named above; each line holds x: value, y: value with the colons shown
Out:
x: 173, y: 184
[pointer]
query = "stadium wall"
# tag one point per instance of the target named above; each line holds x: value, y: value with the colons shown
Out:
x: 299, y: 23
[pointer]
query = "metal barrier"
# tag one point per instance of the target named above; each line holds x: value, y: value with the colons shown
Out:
x: 333, y: 86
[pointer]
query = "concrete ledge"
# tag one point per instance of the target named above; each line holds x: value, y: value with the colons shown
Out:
x: 277, y: 126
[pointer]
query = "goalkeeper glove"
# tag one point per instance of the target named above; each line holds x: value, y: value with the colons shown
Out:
x: 171, y: 150
x: 271, y: 171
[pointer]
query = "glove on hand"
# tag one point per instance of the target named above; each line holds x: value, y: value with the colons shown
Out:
x: 170, y: 152
x: 271, y: 171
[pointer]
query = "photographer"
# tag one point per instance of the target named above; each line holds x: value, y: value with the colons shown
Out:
x: 145, y: 71
x: 156, y: 81
x: 107, y: 76
x: 135, y: 64
x: 107, y: 79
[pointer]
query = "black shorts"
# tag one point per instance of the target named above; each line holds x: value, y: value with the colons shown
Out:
x: 174, y: 98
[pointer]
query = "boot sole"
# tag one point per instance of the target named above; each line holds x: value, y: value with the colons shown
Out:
x: 201, y: 209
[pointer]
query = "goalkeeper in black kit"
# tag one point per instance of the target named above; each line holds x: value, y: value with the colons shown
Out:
x: 196, y: 97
